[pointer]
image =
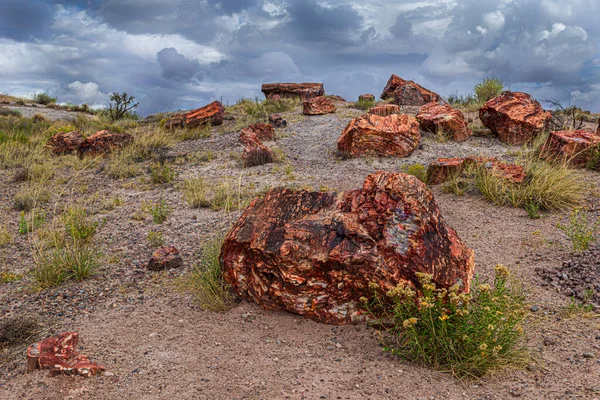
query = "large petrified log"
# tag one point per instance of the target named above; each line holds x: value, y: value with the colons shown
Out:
x: 395, y: 135
x: 59, y: 355
x: 435, y: 117
x: 293, y: 90
x: 315, y: 253
x: 574, y: 147
x: 515, y: 117
x: 391, y: 86
x: 103, y: 142
x: 318, y: 106
x: 412, y: 94
x: 63, y: 143
x: 212, y: 114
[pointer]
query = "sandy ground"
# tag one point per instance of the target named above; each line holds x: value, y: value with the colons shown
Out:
x: 156, y: 343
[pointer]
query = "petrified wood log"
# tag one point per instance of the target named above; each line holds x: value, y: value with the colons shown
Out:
x: 385, y: 109
x: 515, y: 117
x: 318, y: 106
x: 439, y: 117
x: 315, y: 253
x: 65, y: 142
x: 293, y: 90
x: 574, y: 147
x: 257, y: 131
x: 59, y: 355
x: 103, y: 142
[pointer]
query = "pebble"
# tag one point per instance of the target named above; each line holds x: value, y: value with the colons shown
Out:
x: 588, y: 355
x: 535, y: 308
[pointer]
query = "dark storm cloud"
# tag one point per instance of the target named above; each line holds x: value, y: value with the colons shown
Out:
x: 175, y: 65
x: 183, y: 53
x: 25, y: 20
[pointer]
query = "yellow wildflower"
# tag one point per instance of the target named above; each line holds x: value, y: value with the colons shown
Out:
x: 443, y: 317
x: 484, y: 287
x: 409, y: 323
x: 483, y: 346
x: 502, y: 271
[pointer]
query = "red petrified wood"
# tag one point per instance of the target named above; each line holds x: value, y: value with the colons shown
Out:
x: 318, y: 106
x: 393, y: 135
x: 59, y: 355
x: 315, y: 253
x: 442, y: 169
x: 413, y: 94
x: 212, y: 114
x: 291, y: 90
x: 513, y: 173
x: 103, y: 142
x: 515, y: 117
x: 391, y: 86
x: 165, y: 258
x: 576, y: 147
x: 65, y: 142
x: 366, y: 97
x: 258, y: 131
x: 277, y: 121
x: 386, y: 109
x: 335, y: 97
x: 435, y: 117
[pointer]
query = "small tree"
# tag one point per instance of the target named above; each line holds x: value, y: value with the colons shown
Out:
x: 488, y: 89
x: 120, y: 104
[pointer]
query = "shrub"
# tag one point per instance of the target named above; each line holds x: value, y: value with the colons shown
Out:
x: 5, y: 236
x: 121, y: 105
x: 155, y: 239
x: 9, y: 112
x: 206, y: 279
x: 162, y: 173
x: 30, y: 197
x: 201, y: 193
x: 417, y: 170
x: 467, y: 335
x: 488, y: 89
x: 363, y: 104
x: 580, y: 230
x: 29, y: 224
x: 159, y: 211
x: 43, y: 98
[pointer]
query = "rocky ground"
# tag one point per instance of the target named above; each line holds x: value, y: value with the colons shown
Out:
x: 156, y: 342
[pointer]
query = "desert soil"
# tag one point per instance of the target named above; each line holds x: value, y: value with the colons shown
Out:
x: 156, y: 342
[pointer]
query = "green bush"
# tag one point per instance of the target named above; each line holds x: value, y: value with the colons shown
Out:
x: 162, y: 173
x: 363, y: 104
x: 417, y: 170
x: 43, y: 98
x: 159, y: 211
x: 580, y: 230
x: 73, y: 262
x: 79, y: 225
x: 467, y: 335
x: 206, y: 279
x: 155, y: 239
x: 488, y: 89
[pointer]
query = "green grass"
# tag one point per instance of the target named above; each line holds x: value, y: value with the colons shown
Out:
x: 363, y: 105
x: 79, y: 225
x: 159, y: 211
x: 162, y: 173
x: 581, y: 229
x: 75, y: 261
x: 417, y: 170
x: 155, y: 239
x: 206, y: 282
x: 467, y: 335
x: 43, y: 98
x: 221, y: 195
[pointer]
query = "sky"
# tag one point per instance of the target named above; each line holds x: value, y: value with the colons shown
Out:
x: 182, y: 54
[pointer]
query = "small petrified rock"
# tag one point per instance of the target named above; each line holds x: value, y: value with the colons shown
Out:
x: 316, y: 254
x: 258, y: 131
x: 63, y: 143
x: 515, y: 117
x: 255, y: 153
x: 103, y: 142
x: 513, y: 173
x: 391, y: 86
x: 318, y: 106
x: 212, y: 114
x: 366, y: 97
x: 395, y: 135
x: 442, y: 169
x: 60, y: 356
x: 385, y: 109
x: 165, y: 258
x: 293, y: 90
x: 435, y: 117
x: 277, y: 121
x: 575, y: 147
x: 335, y: 97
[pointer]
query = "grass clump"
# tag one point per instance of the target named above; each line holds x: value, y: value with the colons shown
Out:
x: 6, y: 276
x: 206, y: 279
x: 223, y: 195
x: 159, y: 211
x: 5, y: 236
x: 417, y: 170
x: 78, y: 224
x: 363, y: 104
x: 75, y: 261
x: 30, y: 197
x: 18, y: 330
x: 8, y: 112
x: 488, y: 89
x: 580, y: 230
x: 31, y: 222
x: 467, y: 335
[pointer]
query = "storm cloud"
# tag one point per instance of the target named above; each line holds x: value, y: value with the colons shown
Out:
x: 184, y: 53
